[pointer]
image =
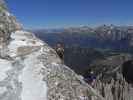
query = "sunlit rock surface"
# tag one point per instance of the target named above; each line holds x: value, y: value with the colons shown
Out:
x: 31, y: 70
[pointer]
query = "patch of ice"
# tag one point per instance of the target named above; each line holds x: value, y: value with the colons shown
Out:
x: 34, y: 88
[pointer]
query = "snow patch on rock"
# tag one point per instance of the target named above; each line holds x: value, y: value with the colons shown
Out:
x: 22, y: 39
x: 34, y: 88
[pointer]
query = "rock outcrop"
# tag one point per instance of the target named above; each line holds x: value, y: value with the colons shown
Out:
x: 110, y: 67
x: 8, y: 23
x: 111, y: 82
x: 31, y: 70
x: 115, y: 90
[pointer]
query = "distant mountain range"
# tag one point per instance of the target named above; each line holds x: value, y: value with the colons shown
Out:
x: 83, y: 45
x: 103, y: 37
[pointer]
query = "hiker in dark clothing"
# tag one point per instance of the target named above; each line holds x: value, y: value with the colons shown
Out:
x: 60, y: 51
x: 90, y: 78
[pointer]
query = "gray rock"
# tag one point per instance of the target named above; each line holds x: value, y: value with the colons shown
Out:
x: 108, y: 68
x: 8, y: 23
x: 115, y: 90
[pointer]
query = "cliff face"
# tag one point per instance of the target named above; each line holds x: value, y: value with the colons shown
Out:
x: 108, y: 68
x: 115, y: 90
x: 8, y: 23
x: 31, y: 70
x: 114, y: 77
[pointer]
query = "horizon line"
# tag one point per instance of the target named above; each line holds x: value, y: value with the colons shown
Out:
x: 77, y: 26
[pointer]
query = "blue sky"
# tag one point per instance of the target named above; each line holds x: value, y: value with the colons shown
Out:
x: 65, y: 13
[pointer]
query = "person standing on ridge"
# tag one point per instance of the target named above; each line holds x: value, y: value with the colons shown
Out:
x: 60, y: 51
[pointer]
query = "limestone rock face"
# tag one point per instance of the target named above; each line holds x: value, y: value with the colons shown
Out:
x: 8, y: 23
x: 115, y: 90
x: 31, y: 70
x: 111, y: 82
